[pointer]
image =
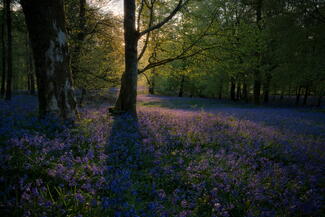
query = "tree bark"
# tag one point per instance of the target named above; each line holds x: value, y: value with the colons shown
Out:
x: 319, y: 101
x: 220, y: 89
x: 128, y: 93
x: 257, y: 86
x: 30, y: 67
x: 306, y: 95
x: 46, y: 26
x: 266, y: 89
x: 257, y: 72
x: 75, y: 55
x: 181, y: 87
x: 152, y: 83
x: 298, y: 95
x: 238, y: 94
x: 232, y: 89
x: 31, y: 74
x: 245, y: 92
x: 3, y: 46
x: 282, y: 94
x: 8, y: 49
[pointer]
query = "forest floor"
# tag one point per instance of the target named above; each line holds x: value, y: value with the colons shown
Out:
x: 181, y: 157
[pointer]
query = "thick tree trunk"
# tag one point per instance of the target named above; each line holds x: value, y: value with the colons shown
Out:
x: 31, y: 73
x: 30, y: 67
x: 3, y: 46
x: 46, y: 25
x: 306, y: 95
x: 181, y: 87
x: 232, y: 89
x: 31, y: 76
x: 8, y: 91
x: 128, y: 93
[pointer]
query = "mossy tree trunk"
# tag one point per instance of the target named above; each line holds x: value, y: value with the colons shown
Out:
x: 128, y: 93
x: 46, y: 26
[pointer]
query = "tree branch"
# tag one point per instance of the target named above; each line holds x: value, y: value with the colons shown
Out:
x: 168, y: 18
x: 148, y: 34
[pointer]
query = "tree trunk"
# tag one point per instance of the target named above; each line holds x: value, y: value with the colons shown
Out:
x: 238, y: 96
x: 245, y: 92
x: 31, y: 73
x: 266, y: 89
x: 306, y: 95
x: 220, y: 89
x: 282, y: 94
x: 3, y: 46
x: 75, y: 55
x: 232, y: 89
x: 152, y: 85
x: 257, y: 72
x: 30, y: 67
x: 298, y: 95
x: 319, y: 101
x: 128, y: 93
x: 181, y: 87
x: 257, y: 87
x: 8, y: 91
x: 46, y: 25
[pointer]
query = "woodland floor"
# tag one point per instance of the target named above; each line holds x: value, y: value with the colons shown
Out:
x: 181, y: 157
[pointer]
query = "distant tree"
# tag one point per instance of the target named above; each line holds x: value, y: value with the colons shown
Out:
x: 8, y: 49
x: 46, y: 26
x: 3, y: 54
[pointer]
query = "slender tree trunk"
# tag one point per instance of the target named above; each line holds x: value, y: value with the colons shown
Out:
x: 181, y: 87
x: 257, y: 72
x: 245, y: 91
x: 306, y: 95
x: 152, y: 84
x: 298, y: 95
x: 266, y: 90
x: 46, y: 25
x: 30, y: 67
x: 319, y: 101
x: 27, y: 63
x: 232, y: 89
x: 75, y: 55
x: 257, y: 87
x: 128, y: 93
x: 238, y: 96
x: 220, y: 89
x: 8, y: 91
x: 282, y: 94
x: 3, y: 46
